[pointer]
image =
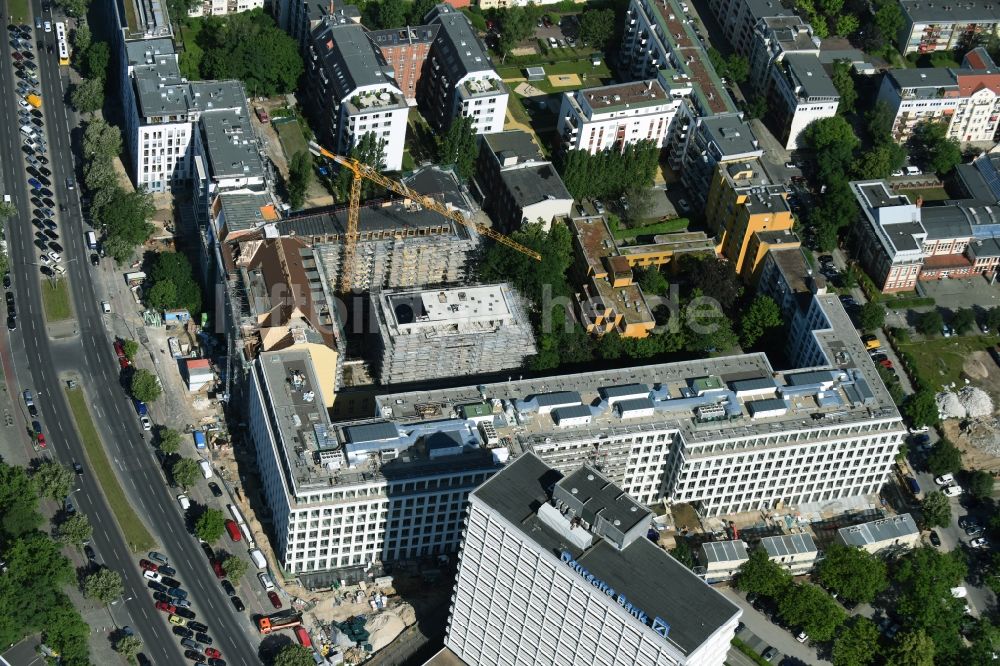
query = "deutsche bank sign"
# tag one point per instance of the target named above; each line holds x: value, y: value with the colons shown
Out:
x: 657, y: 624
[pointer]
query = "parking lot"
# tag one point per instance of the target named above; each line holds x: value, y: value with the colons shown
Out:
x: 760, y: 633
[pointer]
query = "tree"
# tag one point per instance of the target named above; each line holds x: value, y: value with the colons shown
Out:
x: 922, y: 581
x: 7, y: 209
x: 708, y: 328
x: 210, y: 525
x: 980, y: 484
x: 420, y: 9
x: 370, y: 150
x: 104, y: 585
x: 650, y: 279
x: 131, y: 348
x: 169, y: 440
x: 937, y: 510
x: 921, y: 408
x: 87, y: 96
x: 857, y: 644
x: 682, y: 553
x: 854, y: 574
x: 762, y: 316
x: 81, y: 39
x: 760, y: 575
x: 99, y: 174
x: 162, y: 296
x: 993, y: 319
x: 294, y: 655
x: 74, y: 7
x: 836, y: 141
x: 235, y: 568
x: 596, y: 27
x: 300, y: 176
x: 249, y: 46
x: 713, y: 277
x: 458, y: 146
x: 738, y: 67
x: 811, y: 608
x: 846, y: 24
x: 945, y: 458
x: 880, y: 161
x: 930, y: 323
x: 185, y: 472
x: 872, y: 316
x: 930, y: 145
x: 515, y: 25
x: 963, y: 320
x: 912, y: 649
x: 75, y: 530
x: 386, y: 14
x: 96, y: 60
x: 129, y: 646
x: 52, y: 480
x: 145, y: 386
x: 18, y: 502
x: 844, y: 84
x: 174, y: 268
x: 101, y: 140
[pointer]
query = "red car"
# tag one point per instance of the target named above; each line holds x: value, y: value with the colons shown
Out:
x: 886, y: 363
x: 217, y: 568
x: 165, y: 607
x: 148, y: 566
x: 212, y: 652
x: 233, y: 529
x: 41, y: 440
x: 120, y: 351
x: 275, y: 599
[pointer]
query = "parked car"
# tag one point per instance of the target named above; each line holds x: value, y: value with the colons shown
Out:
x: 944, y: 479
x: 157, y: 557
x: 952, y: 490
x: 769, y: 653
x: 981, y: 542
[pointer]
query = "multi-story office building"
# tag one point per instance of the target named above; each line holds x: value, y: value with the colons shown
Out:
x: 345, y: 497
x: 805, y: 93
x: 742, y: 202
x: 557, y: 569
x: 727, y: 434
x: 612, y: 117
x: 740, y: 18
x: 519, y: 185
x: 966, y: 99
x: 427, y: 334
x: 460, y: 79
x: 943, y: 26
x: 353, y: 92
x: 223, y: 7
x: 405, y: 51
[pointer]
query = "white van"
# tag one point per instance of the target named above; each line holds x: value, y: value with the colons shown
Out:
x: 258, y: 558
x: 266, y: 581
x: 28, y: 131
x: 206, y: 468
x: 184, y: 501
x: 913, y: 171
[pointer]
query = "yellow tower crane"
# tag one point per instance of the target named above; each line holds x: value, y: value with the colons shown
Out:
x: 361, y: 171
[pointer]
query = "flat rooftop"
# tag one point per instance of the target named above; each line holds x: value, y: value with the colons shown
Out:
x: 622, y: 96
x: 410, y: 311
x: 732, y: 135
x: 143, y: 18
x: 972, y: 11
x: 231, y: 144
x: 645, y: 574
x: 808, y: 73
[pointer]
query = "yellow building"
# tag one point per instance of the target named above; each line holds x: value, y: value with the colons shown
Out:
x: 743, y: 202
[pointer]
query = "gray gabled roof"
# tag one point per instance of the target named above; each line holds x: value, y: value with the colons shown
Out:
x: 457, y: 46
x: 789, y: 544
x: 925, y: 11
x: 924, y: 77
x: 808, y: 73
x: 351, y: 60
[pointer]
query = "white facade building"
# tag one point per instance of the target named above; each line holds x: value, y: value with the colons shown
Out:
x: 223, y: 7
x: 612, y: 117
x: 557, y: 569
x: 894, y: 532
x: 805, y: 91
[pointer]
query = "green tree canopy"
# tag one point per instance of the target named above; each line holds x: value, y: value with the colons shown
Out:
x: 963, y: 320
x: 145, y: 386
x: 913, y: 648
x: 930, y: 146
x: 370, y: 150
x: 210, y: 525
x: 760, y: 575
x: 420, y: 9
x: 930, y: 323
x: 185, y: 472
x: 52, y: 479
x: 844, y: 83
x: 249, y: 46
x: 872, y: 316
x: 836, y: 141
x: 75, y: 530
x: 18, y: 502
x: 174, y: 268
x: 650, y: 279
x: 386, y: 14
x: 980, y: 484
x: 855, y: 574
x: 762, y: 316
x: 74, y: 7
x: 807, y: 606
x: 609, y: 173
x: 458, y: 146
x: 945, y: 458
x: 64, y: 631
x: 81, y: 38
x: 294, y: 655
x: 124, y: 217
x: 857, y: 644
x: 516, y: 24
x: 169, y: 440
x: 96, y: 60
x: 235, y: 568
x: 162, y: 295
x: 129, y: 647
x: 713, y: 277
x: 131, y: 348
x: 922, y: 581
x: 936, y: 509
x: 682, y: 553
x: 880, y: 161
x: 101, y: 141
x: 921, y: 408
x: 300, y: 176
x: 88, y: 95
x: 104, y: 585
x: 597, y: 26
x: 993, y: 319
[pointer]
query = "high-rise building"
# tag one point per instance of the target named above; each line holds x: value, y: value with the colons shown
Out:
x: 557, y: 569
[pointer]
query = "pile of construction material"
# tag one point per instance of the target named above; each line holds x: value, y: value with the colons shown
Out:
x: 354, y: 630
x: 383, y: 629
x: 969, y: 403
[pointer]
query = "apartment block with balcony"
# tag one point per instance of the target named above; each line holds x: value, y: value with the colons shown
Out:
x: 804, y: 93
x: 945, y: 26
x: 405, y: 51
x: 774, y: 37
x: 223, y: 7
x: 352, y: 91
x: 459, y: 79
x: 300, y: 17
x: 707, y: 142
x: 739, y: 19
x: 612, y: 117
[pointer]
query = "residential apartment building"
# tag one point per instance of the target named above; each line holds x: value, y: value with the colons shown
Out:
x: 612, y: 117
x: 347, y: 497
x: 931, y: 26
x: 891, y: 533
x: 352, y: 92
x: 459, y: 79
x: 223, y: 7
x: 742, y: 201
x: 427, y: 334
x: 739, y: 19
x: 804, y: 93
x: 726, y: 435
x: 902, y: 242
x: 556, y: 568
x: 518, y: 184
x: 966, y: 99
x: 405, y: 51
x: 773, y: 38
x: 703, y: 144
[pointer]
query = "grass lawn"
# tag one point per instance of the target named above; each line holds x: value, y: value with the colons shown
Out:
x: 55, y: 300
x: 292, y: 139
x: 18, y: 11
x: 594, y: 75
x: 665, y: 227
x: 191, y: 54
x: 928, y: 193
x: 136, y: 534
x: 516, y: 109
x: 939, y: 360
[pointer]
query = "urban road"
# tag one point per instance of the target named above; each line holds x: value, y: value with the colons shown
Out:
x: 42, y: 364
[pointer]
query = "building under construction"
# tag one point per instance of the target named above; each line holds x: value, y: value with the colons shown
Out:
x: 435, y: 333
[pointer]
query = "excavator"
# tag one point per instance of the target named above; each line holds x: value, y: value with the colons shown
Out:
x: 362, y: 171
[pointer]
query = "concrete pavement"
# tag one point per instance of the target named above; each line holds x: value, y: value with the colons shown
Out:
x: 770, y: 633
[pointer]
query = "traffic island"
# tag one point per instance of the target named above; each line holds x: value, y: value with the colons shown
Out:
x: 55, y: 300
x: 136, y: 534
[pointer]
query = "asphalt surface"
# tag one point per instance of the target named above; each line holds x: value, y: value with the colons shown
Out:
x: 89, y: 355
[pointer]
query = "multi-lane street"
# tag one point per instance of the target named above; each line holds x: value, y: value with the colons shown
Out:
x: 41, y: 364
